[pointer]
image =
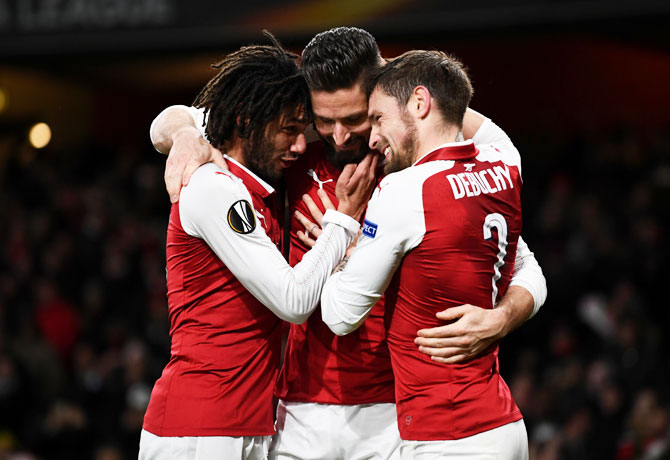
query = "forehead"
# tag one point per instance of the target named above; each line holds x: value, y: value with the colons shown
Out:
x: 381, y: 102
x: 341, y: 103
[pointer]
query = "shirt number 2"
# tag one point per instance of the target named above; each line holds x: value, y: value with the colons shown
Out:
x: 498, y: 221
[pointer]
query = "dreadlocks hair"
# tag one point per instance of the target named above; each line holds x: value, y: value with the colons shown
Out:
x: 443, y: 75
x: 338, y: 58
x: 254, y: 87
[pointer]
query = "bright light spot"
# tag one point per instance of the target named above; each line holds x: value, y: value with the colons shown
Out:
x: 3, y: 100
x: 40, y: 135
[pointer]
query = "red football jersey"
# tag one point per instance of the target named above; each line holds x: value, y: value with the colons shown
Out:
x: 225, y: 343
x: 318, y: 365
x: 438, y: 234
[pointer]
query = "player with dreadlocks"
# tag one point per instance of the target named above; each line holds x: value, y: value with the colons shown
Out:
x: 228, y: 285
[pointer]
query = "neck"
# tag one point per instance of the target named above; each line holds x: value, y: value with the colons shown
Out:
x: 432, y: 136
x: 234, y: 150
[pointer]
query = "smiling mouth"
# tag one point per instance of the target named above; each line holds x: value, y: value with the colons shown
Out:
x: 386, y: 151
x: 287, y: 160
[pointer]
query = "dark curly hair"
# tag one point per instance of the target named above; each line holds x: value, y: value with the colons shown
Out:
x: 254, y: 87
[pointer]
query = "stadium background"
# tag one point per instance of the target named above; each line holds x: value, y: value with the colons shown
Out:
x: 582, y: 87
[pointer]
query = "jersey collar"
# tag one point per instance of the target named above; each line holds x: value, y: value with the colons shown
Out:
x: 464, y: 150
x: 254, y: 183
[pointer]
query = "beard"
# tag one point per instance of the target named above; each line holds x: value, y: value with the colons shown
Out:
x: 340, y: 158
x: 260, y: 155
x: 404, y: 157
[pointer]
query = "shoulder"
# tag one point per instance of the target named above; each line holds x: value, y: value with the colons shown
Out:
x: 211, y: 177
x: 397, y: 191
x: 504, y: 152
x: 212, y: 188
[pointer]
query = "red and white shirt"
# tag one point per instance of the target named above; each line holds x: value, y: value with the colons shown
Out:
x: 228, y: 289
x: 439, y: 234
x: 320, y: 366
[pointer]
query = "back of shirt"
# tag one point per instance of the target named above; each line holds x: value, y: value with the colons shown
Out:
x: 453, y: 220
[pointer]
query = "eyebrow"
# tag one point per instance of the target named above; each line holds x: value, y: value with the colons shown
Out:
x: 304, y: 119
x: 354, y: 116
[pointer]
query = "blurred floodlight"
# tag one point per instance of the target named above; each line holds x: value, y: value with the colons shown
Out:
x: 3, y: 100
x: 40, y: 135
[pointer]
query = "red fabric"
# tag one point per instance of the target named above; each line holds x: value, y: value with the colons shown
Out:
x: 225, y: 344
x: 319, y: 366
x: 453, y: 265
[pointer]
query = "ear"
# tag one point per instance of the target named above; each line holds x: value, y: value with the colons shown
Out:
x: 420, y: 102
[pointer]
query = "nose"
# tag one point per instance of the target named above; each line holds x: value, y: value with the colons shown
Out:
x: 340, y: 134
x: 299, y: 145
x: 374, y: 138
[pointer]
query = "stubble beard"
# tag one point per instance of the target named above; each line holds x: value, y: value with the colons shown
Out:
x: 260, y: 159
x: 341, y: 158
x: 404, y: 158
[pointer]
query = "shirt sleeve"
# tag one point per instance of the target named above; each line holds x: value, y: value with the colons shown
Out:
x: 528, y: 274
x: 292, y: 293
x: 197, y: 114
x: 388, y: 234
x: 495, y: 145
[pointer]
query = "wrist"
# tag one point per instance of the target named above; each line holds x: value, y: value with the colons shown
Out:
x: 189, y: 132
x: 355, y: 212
x: 503, y: 314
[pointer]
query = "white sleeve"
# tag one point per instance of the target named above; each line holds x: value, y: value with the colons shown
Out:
x: 528, y: 274
x: 388, y: 234
x: 198, y: 115
x: 494, y: 144
x: 490, y: 133
x: 292, y: 293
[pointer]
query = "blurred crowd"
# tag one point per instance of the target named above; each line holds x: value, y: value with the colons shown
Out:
x: 83, y: 311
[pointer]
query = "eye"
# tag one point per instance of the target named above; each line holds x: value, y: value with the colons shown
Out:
x: 323, y: 121
x: 291, y: 129
x: 356, y: 119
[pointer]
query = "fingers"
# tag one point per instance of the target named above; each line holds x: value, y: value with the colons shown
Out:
x: 327, y: 204
x: 453, y: 313
x: 173, y: 176
x: 306, y: 240
x: 456, y: 359
x: 355, y: 185
x: 441, y: 341
x: 310, y: 227
x: 347, y: 172
x: 449, y: 330
x: 449, y: 355
x: 314, y: 210
x: 189, y: 151
x: 217, y: 158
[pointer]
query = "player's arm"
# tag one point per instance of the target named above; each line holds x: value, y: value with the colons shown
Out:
x: 472, y: 121
x: 473, y: 329
x: 350, y: 294
x: 217, y: 208
x: 178, y: 132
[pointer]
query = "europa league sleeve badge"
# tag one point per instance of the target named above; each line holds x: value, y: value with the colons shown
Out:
x: 241, y: 217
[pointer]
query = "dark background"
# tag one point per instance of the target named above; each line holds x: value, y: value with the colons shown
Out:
x: 582, y: 87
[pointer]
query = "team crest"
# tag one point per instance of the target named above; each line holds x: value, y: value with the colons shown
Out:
x: 241, y: 217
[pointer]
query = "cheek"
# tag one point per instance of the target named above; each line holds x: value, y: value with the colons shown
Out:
x: 324, y: 129
x: 362, y: 130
